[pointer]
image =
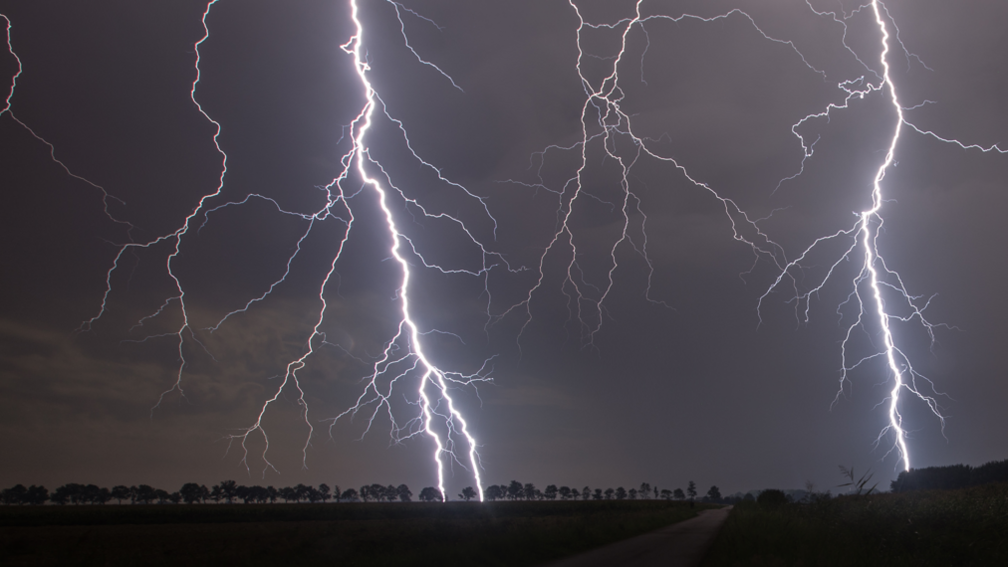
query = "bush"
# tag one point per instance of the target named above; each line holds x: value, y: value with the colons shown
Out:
x: 772, y: 497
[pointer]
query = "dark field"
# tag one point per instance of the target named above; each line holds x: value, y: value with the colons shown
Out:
x: 456, y: 533
x: 935, y: 527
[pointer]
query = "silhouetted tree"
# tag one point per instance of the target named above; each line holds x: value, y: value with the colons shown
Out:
x: 468, y: 494
x: 271, y: 494
x: 403, y: 493
x: 94, y: 494
x: 430, y: 494
x: 514, y: 490
x: 585, y: 493
x: 551, y: 492
x: 529, y: 491
x: 120, y: 492
x: 597, y: 495
x: 190, y: 492
x: 645, y: 490
x: 666, y: 494
x: 162, y: 495
x: 59, y: 496
x: 350, y: 495
x: 492, y: 493
x: 564, y: 492
x: 621, y: 493
x: 377, y: 492
x: 714, y: 494
x: 314, y: 495
x: 575, y: 493
x: 632, y: 494
x: 609, y: 493
x: 679, y: 494
x: 36, y: 495
x: 70, y: 493
x: 323, y: 490
x: 771, y: 498
x: 288, y: 494
x: 228, y: 490
x: 691, y: 490
x: 14, y: 495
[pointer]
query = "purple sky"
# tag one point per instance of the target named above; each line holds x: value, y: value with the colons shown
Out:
x: 683, y: 379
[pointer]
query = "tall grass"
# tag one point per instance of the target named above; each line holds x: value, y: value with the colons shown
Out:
x: 941, y: 528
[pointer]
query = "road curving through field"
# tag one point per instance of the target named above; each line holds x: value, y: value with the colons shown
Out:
x: 679, y: 545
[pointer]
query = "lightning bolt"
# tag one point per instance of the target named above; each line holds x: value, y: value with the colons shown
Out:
x: 408, y: 339
x: 607, y: 131
x: 107, y: 197
x: 874, y: 274
x: 404, y: 359
x: 605, y: 125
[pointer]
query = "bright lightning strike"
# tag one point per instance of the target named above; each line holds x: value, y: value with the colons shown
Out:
x: 405, y: 368
x: 874, y: 273
x: 404, y: 360
x: 608, y: 131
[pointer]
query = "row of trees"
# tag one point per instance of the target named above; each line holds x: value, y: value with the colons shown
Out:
x: 518, y: 491
x: 950, y: 477
x: 229, y: 492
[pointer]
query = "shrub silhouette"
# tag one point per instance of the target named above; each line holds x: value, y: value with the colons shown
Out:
x: 772, y: 497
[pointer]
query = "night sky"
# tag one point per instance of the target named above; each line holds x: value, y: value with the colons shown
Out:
x: 682, y: 374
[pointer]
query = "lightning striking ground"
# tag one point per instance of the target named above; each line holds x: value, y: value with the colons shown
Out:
x: 869, y: 286
x: 605, y: 125
x: 405, y: 366
x: 404, y: 360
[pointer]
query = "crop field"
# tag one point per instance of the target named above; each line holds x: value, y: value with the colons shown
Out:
x: 349, y: 534
x: 934, y: 527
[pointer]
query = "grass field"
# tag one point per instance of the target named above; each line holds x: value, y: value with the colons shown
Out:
x: 941, y: 528
x: 415, y: 534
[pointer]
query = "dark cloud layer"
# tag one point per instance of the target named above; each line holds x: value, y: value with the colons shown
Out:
x: 704, y: 387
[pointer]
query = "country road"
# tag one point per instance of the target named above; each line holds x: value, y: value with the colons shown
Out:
x: 679, y: 545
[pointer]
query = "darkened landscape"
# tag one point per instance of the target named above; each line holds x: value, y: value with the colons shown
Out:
x: 453, y: 533
x: 956, y: 515
x: 967, y: 526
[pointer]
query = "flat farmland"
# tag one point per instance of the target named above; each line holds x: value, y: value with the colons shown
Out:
x: 416, y: 534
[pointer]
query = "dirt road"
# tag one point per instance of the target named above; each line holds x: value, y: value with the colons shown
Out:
x: 678, y: 545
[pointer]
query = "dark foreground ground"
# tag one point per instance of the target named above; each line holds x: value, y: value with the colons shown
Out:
x: 415, y: 534
x: 940, y: 528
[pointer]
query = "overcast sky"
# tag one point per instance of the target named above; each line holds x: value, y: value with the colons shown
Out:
x: 682, y: 374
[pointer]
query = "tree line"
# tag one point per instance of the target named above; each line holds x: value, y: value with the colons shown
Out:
x: 518, y: 491
x: 950, y: 477
x: 229, y: 492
